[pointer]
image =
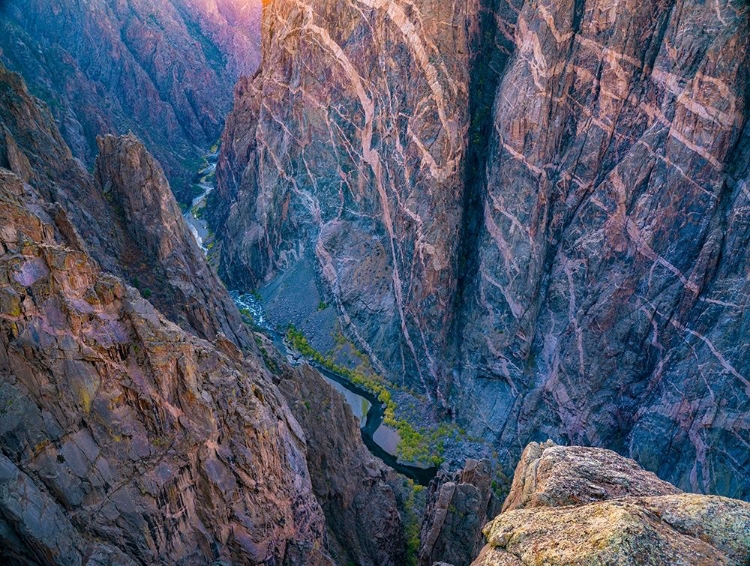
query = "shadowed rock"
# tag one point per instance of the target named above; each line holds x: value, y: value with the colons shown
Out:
x: 127, y: 217
x: 458, y: 506
x: 353, y: 487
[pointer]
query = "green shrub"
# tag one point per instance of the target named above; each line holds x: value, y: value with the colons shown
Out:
x: 411, y: 527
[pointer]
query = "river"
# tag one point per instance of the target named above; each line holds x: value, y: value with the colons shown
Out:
x: 193, y: 216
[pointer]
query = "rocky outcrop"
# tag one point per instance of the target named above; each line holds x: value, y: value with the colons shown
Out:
x: 675, y: 529
x: 126, y: 216
x: 609, y: 521
x: 555, y: 476
x: 352, y: 486
x: 458, y: 506
x: 574, y: 269
x: 126, y: 440
x: 160, y: 252
x: 164, y: 70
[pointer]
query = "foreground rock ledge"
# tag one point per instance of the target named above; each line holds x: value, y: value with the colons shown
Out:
x: 608, y: 516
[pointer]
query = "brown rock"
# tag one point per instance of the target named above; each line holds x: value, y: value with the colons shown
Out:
x: 126, y: 218
x: 160, y: 253
x: 671, y: 529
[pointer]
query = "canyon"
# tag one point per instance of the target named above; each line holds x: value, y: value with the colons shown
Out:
x: 518, y: 230
x: 163, y: 70
x: 534, y: 214
x: 133, y: 435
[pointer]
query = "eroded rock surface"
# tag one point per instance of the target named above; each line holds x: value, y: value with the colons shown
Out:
x: 126, y: 216
x: 554, y: 476
x: 160, y: 252
x: 602, y: 525
x: 534, y: 211
x: 121, y: 433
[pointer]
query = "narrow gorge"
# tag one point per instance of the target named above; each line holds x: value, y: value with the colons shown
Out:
x: 374, y: 282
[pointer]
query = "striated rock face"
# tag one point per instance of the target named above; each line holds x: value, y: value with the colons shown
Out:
x: 610, y: 521
x: 163, y: 69
x: 347, y: 147
x: 609, y: 304
x: 352, y: 487
x: 126, y: 216
x: 123, y: 434
x: 458, y: 506
x: 160, y: 252
x: 536, y: 212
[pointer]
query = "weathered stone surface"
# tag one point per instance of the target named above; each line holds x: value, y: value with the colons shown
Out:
x: 554, y: 476
x: 671, y: 529
x: 576, y: 269
x: 163, y: 69
x: 118, y: 428
x: 604, y: 524
x: 458, y: 506
x: 352, y: 486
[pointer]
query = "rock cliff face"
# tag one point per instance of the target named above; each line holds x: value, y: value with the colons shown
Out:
x: 164, y: 70
x: 614, y: 513
x: 536, y: 212
x: 126, y: 215
x: 126, y: 440
x: 609, y: 304
x: 348, y: 147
